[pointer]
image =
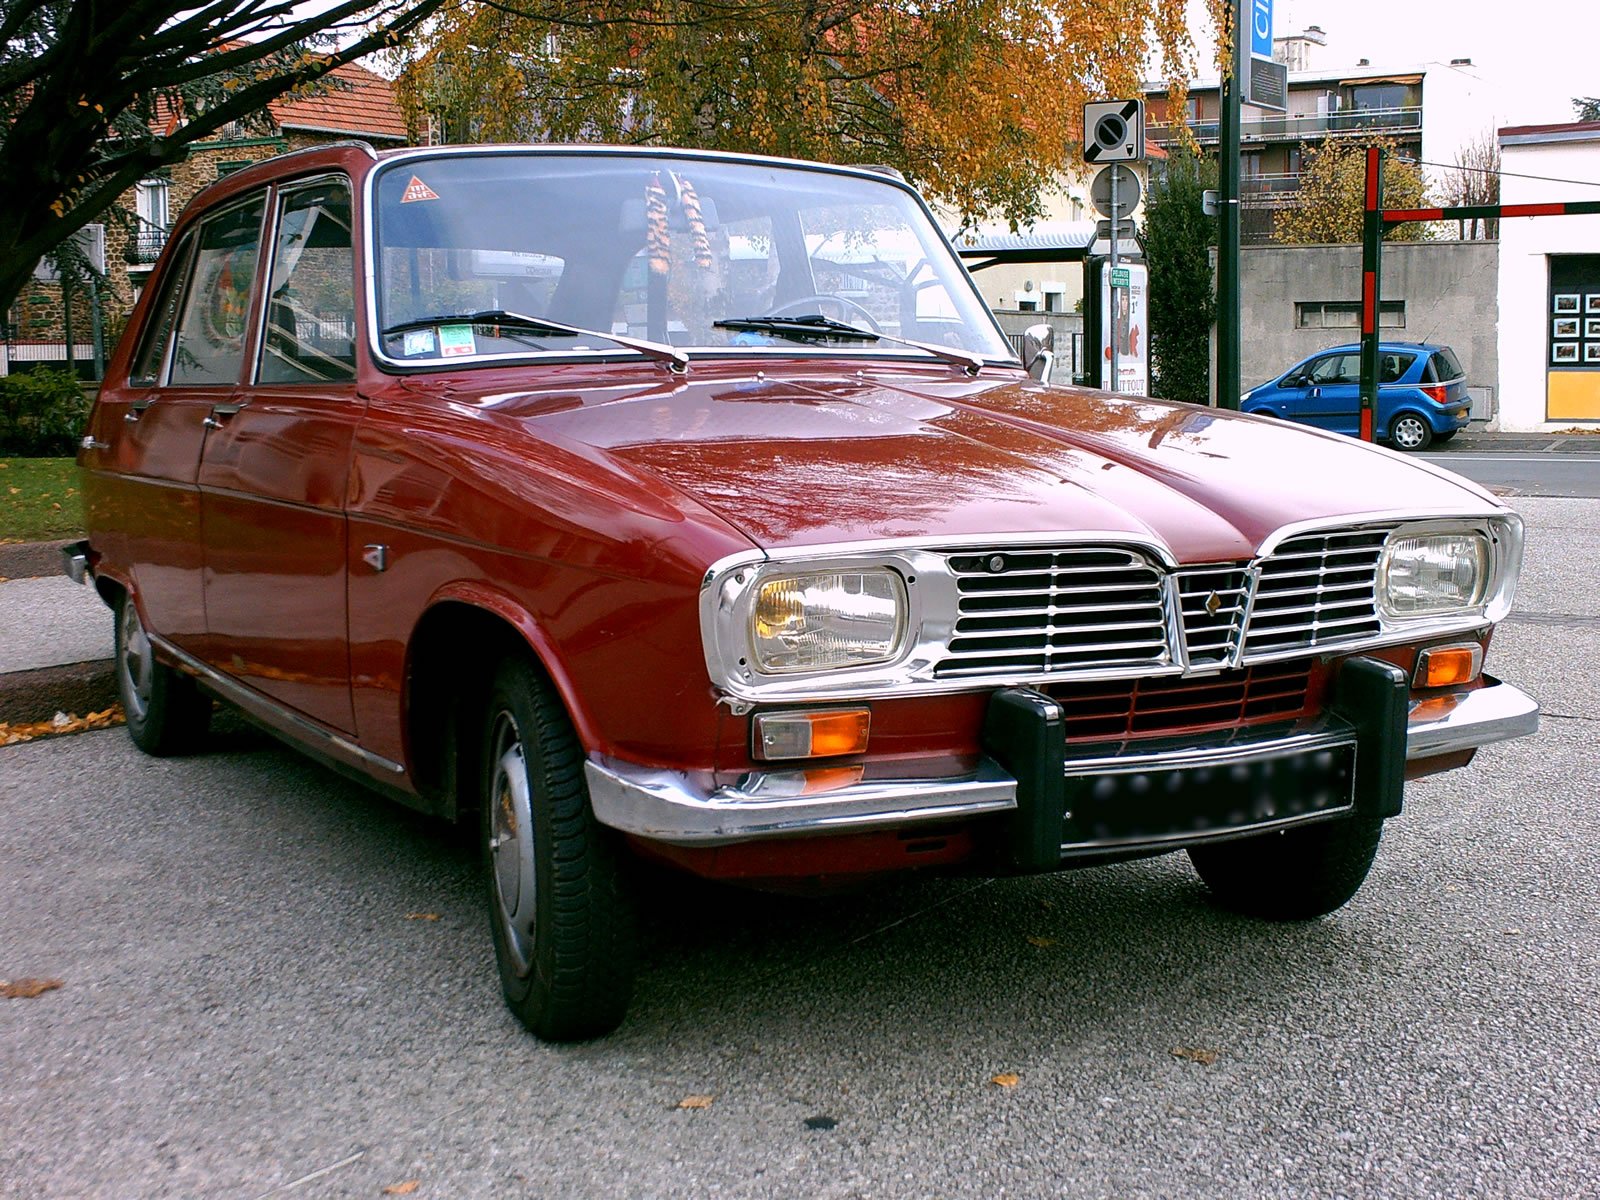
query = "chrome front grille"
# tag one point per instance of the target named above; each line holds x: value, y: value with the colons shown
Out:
x: 1212, y: 601
x: 1316, y: 589
x: 1055, y: 610
x: 1111, y: 611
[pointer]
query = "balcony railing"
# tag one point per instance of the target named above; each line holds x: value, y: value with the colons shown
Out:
x: 145, y: 243
x: 1309, y: 128
x: 1269, y: 183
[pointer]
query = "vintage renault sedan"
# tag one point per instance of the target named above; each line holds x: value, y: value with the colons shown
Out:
x: 689, y: 507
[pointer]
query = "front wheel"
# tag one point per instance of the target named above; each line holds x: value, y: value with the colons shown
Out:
x: 1410, y: 432
x: 562, y: 923
x: 1292, y: 874
x: 166, y: 712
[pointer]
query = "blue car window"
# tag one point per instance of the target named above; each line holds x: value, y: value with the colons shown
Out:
x: 1337, y: 368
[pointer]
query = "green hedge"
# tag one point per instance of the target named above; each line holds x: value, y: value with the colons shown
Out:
x: 41, y: 414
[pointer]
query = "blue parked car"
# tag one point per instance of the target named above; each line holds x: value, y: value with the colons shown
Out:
x: 1422, y: 393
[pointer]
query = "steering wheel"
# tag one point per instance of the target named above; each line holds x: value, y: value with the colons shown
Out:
x: 798, y: 308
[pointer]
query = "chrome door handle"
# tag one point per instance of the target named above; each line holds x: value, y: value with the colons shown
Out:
x: 219, y: 413
x: 135, y: 409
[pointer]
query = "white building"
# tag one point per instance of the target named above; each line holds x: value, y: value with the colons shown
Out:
x: 1549, y: 280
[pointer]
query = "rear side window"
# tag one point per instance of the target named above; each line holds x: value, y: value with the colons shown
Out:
x: 311, y: 303
x: 216, y: 308
x: 1392, y: 368
x: 1444, y: 366
x: 163, y: 316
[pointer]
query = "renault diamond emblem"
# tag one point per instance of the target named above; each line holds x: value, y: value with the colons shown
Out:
x: 1213, y: 604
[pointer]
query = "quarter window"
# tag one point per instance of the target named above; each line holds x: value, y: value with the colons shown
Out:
x: 310, y: 320
x: 153, y: 352
x: 216, y: 310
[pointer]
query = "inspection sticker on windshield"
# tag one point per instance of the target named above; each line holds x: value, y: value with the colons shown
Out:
x: 417, y: 190
x: 456, y: 340
x: 419, y: 341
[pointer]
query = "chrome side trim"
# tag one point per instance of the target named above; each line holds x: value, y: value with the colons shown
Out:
x: 1448, y: 722
x: 273, y: 713
x: 678, y: 808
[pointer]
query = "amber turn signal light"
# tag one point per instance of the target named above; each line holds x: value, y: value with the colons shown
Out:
x: 1445, y: 666
x: 826, y: 733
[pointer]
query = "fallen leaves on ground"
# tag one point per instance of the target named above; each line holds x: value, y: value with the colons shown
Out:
x: 1041, y: 942
x: 402, y: 1189
x: 26, y: 731
x: 696, y: 1102
x: 422, y: 916
x: 27, y: 989
x: 1006, y: 1079
x: 1204, y: 1057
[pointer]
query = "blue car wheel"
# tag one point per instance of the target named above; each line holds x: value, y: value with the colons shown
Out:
x: 1408, y: 431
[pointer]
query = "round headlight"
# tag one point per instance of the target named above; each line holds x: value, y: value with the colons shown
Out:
x: 820, y: 620
x: 1433, y: 574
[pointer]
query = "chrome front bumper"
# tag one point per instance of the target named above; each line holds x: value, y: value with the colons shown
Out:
x: 680, y: 808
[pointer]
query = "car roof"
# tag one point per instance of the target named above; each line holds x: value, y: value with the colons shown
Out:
x: 1355, y: 348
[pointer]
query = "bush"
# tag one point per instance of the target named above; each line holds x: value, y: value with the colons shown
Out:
x: 41, y: 414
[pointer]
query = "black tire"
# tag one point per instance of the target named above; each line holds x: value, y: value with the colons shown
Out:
x: 1293, y: 874
x: 566, y: 964
x: 1410, y: 432
x: 166, y: 711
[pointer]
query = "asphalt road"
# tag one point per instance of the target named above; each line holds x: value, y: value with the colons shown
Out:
x: 1557, y: 475
x: 252, y: 1005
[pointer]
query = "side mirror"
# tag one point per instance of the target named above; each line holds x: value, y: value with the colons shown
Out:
x: 1038, y: 350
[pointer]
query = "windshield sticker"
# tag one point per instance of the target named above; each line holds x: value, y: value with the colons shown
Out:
x: 417, y: 190
x: 456, y: 340
x: 419, y: 341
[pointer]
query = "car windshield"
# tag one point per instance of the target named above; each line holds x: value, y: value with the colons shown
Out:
x: 659, y: 248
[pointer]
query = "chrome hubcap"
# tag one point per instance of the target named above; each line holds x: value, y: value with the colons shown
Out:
x: 511, y: 842
x: 134, y: 664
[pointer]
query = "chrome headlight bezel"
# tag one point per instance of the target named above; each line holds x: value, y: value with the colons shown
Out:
x: 1500, y: 540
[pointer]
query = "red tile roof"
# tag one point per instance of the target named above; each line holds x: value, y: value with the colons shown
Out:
x: 366, y: 107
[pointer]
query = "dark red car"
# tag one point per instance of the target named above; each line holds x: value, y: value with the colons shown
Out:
x: 692, y: 507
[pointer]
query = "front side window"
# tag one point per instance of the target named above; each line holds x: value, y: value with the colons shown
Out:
x: 216, y: 308
x: 310, y: 317
x: 1337, y: 368
x: 659, y: 248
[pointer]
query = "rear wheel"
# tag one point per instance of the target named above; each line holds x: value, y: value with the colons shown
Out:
x: 1293, y: 874
x: 1410, y: 432
x: 562, y: 923
x: 166, y: 712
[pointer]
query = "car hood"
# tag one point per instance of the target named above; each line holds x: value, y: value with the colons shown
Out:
x: 811, y: 458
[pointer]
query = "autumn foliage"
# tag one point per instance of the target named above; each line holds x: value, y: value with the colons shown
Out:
x: 1329, y: 206
x: 976, y: 101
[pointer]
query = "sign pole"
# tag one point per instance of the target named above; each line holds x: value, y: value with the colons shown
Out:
x: 1111, y: 291
x: 1229, y: 347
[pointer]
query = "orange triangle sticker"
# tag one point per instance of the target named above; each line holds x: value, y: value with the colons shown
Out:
x: 417, y: 190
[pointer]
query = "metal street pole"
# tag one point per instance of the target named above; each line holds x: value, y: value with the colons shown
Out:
x: 1229, y: 347
x: 1111, y: 288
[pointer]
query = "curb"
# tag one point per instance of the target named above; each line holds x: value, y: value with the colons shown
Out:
x: 29, y: 560
x: 39, y: 694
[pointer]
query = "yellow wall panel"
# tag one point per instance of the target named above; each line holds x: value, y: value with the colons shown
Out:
x: 1573, y: 396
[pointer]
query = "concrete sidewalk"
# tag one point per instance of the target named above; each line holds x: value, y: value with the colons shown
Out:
x: 55, y: 649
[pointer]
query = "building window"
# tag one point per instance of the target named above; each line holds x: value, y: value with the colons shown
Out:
x: 1346, y: 314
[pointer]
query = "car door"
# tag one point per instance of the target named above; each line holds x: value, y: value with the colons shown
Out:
x: 1332, y: 397
x: 189, y: 364
x: 275, y: 466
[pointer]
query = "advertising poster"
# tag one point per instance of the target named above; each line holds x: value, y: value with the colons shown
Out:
x: 1126, y: 312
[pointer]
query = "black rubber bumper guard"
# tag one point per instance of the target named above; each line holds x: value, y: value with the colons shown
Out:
x: 1026, y: 733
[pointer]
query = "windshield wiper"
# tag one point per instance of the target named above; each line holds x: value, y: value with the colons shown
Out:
x: 815, y: 325
x: 671, y: 355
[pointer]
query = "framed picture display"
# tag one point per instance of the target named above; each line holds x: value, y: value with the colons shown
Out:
x: 1591, y: 352
x: 1567, y: 302
x: 1564, y: 352
x: 1591, y: 327
x: 1565, y: 327
x: 1591, y: 302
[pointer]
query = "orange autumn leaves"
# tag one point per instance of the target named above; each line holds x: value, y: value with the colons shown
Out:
x: 976, y: 102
